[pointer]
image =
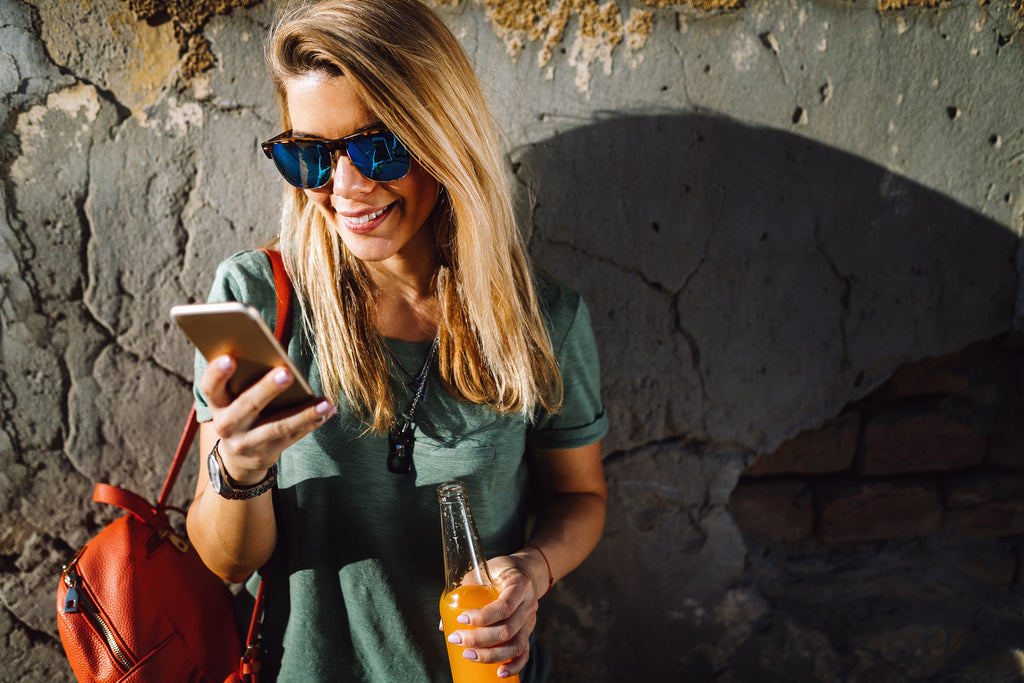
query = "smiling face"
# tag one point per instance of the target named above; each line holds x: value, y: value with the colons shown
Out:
x: 379, y: 222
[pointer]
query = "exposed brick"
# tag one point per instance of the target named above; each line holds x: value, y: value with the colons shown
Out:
x: 986, y: 504
x: 862, y: 511
x: 779, y: 511
x: 949, y: 374
x: 828, y: 449
x: 928, y: 442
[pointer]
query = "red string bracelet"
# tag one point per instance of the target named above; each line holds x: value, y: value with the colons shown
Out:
x: 551, y: 576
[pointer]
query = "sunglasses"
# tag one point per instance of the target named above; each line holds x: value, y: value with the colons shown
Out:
x: 307, y: 163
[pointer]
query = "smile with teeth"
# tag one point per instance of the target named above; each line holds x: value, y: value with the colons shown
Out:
x: 366, y: 218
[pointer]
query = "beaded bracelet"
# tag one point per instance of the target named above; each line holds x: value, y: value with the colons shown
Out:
x: 551, y: 576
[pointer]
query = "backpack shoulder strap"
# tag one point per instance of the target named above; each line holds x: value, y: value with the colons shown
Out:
x: 283, y: 285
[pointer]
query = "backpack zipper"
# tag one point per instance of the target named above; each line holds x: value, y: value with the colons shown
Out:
x: 78, y: 601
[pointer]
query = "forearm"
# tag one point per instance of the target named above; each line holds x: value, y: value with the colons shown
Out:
x: 567, y: 530
x: 573, y: 499
x: 233, y: 537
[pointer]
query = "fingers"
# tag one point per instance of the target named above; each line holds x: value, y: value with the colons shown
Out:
x: 502, y: 630
x: 276, y: 432
x: 249, y: 442
x: 512, y: 648
x: 496, y: 634
x: 214, y: 381
x: 514, y: 665
x: 245, y: 408
x: 239, y: 413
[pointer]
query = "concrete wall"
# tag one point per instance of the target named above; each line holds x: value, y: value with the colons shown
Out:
x: 769, y: 206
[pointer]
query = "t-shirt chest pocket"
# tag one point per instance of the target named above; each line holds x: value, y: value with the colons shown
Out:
x: 436, y: 464
x: 457, y: 440
x: 491, y: 459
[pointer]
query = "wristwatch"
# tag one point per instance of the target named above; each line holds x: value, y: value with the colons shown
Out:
x: 227, y: 488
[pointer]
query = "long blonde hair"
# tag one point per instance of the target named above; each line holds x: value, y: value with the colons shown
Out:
x: 412, y: 74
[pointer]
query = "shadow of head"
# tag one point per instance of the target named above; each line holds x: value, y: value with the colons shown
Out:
x: 743, y: 278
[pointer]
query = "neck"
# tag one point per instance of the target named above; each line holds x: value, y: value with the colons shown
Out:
x: 407, y: 306
x: 403, y: 279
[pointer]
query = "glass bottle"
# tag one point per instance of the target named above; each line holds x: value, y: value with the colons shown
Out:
x: 468, y: 584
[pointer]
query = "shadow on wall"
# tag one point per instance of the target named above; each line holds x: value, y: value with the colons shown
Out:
x: 745, y: 284
x: 749, y: 282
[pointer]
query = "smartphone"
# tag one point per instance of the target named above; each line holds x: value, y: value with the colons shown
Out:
x: 238, y: 330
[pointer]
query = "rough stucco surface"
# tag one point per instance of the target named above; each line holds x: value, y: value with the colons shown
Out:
x: 768, y: 207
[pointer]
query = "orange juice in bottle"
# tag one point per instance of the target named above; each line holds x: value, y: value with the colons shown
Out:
x: 468, y: 584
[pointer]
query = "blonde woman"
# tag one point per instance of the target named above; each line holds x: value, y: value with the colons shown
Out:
x: 440, y: 353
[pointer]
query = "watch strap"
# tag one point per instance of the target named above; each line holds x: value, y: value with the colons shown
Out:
x: 229, y: 489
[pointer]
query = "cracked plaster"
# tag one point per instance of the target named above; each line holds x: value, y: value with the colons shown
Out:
x: 599, y: 27
x: 804, y: 231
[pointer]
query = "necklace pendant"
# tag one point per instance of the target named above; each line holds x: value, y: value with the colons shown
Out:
x: 401, y: 439
x: 400, y: 442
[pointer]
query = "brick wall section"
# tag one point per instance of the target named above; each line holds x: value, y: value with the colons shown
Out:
x: 986, y: 505
x: 830, y: 448
x: 903, y: 442
x: 778, y: 509
x: 938, y: 448
x: 862, y: 510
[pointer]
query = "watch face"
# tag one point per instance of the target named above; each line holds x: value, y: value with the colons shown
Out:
x: 215, y: 479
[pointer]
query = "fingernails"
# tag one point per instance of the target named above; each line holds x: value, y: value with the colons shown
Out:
x: 469, y: 654
x: 462, y: 619
x: 225, y: 363
x: 455, y: 639
x: 325, y: 409
x: 504, y: 673
x: 282, y: 376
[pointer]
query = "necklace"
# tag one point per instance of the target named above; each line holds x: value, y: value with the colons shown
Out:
x: 401, y: 438
x: 401, y: 366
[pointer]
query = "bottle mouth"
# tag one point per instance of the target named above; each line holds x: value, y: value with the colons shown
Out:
x: 451, y: 489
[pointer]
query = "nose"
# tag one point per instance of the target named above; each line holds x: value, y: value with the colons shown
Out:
x: 347, y: 181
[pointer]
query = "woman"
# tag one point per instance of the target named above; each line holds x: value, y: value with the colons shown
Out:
x: 399, y: 237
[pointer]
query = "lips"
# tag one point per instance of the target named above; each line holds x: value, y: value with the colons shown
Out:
x: 365, y: 222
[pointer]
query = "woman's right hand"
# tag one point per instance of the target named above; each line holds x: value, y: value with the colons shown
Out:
x: 251, y: 444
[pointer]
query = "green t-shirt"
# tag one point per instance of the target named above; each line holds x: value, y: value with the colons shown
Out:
x: 354, y: 584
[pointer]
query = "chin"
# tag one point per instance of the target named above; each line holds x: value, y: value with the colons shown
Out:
x: 366, y: 247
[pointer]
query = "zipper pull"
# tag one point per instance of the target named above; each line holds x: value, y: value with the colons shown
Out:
x: 71, y: 599
x: 177, y: 541
x: 73, y: 582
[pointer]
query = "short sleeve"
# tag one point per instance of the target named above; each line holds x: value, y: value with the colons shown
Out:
x: 582, y: 419
x: 247, y: 277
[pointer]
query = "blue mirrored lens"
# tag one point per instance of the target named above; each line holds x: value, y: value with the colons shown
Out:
x: 303, y: 164
x: 379, y: 156
x: 307, y: 164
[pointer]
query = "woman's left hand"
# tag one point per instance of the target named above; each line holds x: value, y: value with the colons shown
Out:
x: 503, y: 628
x: 568, y: 527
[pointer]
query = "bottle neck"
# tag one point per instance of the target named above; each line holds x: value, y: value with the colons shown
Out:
x: 464, y: 560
